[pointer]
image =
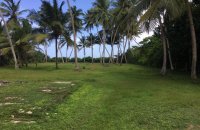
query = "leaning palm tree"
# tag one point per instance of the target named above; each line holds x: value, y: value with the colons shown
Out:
x: 9, y: 40
x: 54, y: 19
x: 102, y: 9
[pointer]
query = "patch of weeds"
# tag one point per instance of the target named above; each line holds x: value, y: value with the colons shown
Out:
x: 106, y: 65
x: 90, y: 80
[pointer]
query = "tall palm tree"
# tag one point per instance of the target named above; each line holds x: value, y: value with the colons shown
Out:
x: 55, y: 19
x: 89, y: 22
x: 102, y: 9
x: 194, y: 41
x: 74, y: 34
x: 84, y: 44
x: 10, y: 40
x: 91, y: 38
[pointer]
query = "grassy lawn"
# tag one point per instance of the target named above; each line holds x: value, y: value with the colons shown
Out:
x: 104, y: 98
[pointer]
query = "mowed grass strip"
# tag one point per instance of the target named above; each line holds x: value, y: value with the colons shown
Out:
x: 110, y: 98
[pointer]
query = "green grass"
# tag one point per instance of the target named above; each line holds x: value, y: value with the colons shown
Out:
x: 103, y: 98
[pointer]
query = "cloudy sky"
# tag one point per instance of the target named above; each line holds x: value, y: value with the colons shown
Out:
x: 81, y: 4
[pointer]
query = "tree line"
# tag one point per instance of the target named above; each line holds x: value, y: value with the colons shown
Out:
x: 116, y: 23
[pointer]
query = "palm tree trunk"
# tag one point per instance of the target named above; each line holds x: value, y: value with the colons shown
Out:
x: 92, y: 54
x: 112, y: 53
x: 100, y: 53
x: 91, y: 43
x: 61, y: 54
x: 124, y: 49
x: 194, y: 42
x: 46, y: 54
x: 164, y: 66
x: 118, y: 53
x: 71, y: 53
x: 169, y: 55
x: 10, y: 41
x: 84, y: 54
x: 74, y: 31
x: 113, y: 40
x: 104, y: 45
x: 75, y: 53
x: 56, y: 46
x: 67, y: 53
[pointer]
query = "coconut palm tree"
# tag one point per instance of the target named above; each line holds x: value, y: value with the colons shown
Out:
x: 91, y: 38
x: 74, y: 34
x: 194, y: 40
x: 90, y: 21
x: 155, y: 12
x: 9, y: 40
x: 84, y: 43
x: 55, y: 19
x: 102, y: 9
x: 174, y: 7
x: 12, y: 10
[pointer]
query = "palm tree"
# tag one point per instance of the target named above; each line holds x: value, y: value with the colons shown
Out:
x: 125, y: 27
x: 12, y: 10
x: 54, y: 19
x: 174, y: 8
x: 84, y: 44
x: 194, y: 41
x: 102, y: 9
x: 90, y: 21
x: 74, y: 33
x: 10, y: 40
x: 91, y: 38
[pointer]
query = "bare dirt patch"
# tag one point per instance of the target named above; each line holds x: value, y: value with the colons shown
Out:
x: 62, y: 82
x: 13, y: 98
x: 47, y: 90
x: 3, y: 82
x: 193, y: 127
x: 18, y: 121
x: 8, y: 104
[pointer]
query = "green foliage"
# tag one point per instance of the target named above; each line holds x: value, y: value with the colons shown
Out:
x: 180, y: 39
x: 148, y: 53
x: 78, y: 22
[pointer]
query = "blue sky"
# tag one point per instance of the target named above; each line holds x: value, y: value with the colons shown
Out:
x: 81, y: 4
x: 35, y: 4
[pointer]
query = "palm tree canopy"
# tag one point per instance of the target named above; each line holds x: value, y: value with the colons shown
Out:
x: 78, y: 22
x: 102, y: 11
x: 53, y: 17
x: 11, y: 9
